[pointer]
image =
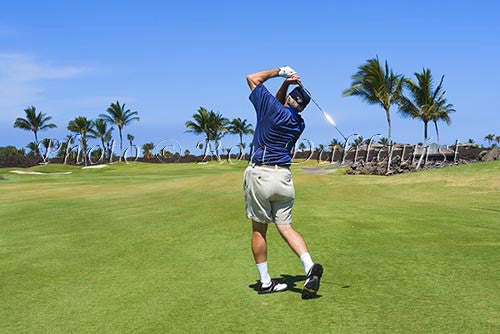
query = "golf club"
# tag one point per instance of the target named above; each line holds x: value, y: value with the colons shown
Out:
x: 328, y: 117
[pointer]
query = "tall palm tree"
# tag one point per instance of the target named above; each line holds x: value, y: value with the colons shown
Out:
x: 119, y: 115
x: 85, y: 128
x: 490, y: 137
x: 377, y: 84
x: 442, y: 112
x: 212, y: 124
x: 102, y: 132
x: 425, y: 102
x: 130, y: 139
x: 200, y: 123
x: 34, y: 122
x: 218, y: 126
x: 240, y: 127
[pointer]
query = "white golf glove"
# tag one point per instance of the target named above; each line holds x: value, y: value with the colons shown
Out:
x: 286, y: 71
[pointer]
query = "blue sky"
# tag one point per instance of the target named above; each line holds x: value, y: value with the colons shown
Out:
x: 165, y: 59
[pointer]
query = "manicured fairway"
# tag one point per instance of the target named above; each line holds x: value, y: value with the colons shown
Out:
x: 156, y: 248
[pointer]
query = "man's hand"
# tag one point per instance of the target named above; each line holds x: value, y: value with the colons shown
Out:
x: 286, y: 71
x: 293, y: 80
x: 282, y: 91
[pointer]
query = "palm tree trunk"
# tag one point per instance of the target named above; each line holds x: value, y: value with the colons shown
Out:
x: 84, y: 148
x: 241, y: 145
x: 36, y: 143
x: 206, y: 147
x: 121, y: 147
x: 437, y: 131
x: 425, y: 131
x: 388, y: 115
x: 103, y: 156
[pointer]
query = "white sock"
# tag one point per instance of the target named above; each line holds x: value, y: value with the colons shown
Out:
x: 264, y: 275
x: 306, y: 261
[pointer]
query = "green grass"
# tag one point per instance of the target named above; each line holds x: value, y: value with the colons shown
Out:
x: 155, y: 248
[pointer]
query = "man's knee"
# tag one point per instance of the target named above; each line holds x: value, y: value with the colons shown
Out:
x: 259, y: 227
x: 285, y: 228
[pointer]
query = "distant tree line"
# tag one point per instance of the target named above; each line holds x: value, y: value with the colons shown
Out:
x: 84, y: 128
x: 214, y: 126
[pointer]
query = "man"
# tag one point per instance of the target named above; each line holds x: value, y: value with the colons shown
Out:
x: 268, y: 185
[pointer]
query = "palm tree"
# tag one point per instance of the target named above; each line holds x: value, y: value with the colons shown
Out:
x: 85, y: 128
x: 45, y: 143
x: 240, y: 127
x: 218, y: 126
x: 34, y: 122
x: 425, y: 102
x: 358, y: 141
x: 490, y: 137
x: 335, y: 142
x: 187, y: 152
x: 147, y: 148
x: 442, y: 113
x: 383, y: 141
x: 212, y: 124
x: 33, y: 147
x: 62, y: 149
x: 321, y: 147
x: 471, y: 141
x: 130, y: 139
x: 302, y: 147
x: 200, y: 123
x: 102, y: 132
x: 376, y: 84
x: 119, y: 115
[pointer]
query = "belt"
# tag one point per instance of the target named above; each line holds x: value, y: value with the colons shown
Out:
x: 270, y: 166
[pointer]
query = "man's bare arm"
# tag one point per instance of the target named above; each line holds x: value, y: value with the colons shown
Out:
x: 283, y: 90
x: 281, y: 93
x: 257, y: 78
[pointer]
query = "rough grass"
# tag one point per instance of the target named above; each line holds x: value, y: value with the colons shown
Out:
x: 144, y: 248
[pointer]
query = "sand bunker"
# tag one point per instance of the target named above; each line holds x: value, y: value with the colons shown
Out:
x: 38, y: 173
x: 96, y: 166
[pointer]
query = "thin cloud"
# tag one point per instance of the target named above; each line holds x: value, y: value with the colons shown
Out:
x: 19, y: 67
x: 22, y: 79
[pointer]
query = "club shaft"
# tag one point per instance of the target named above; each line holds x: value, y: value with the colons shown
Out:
x: 319, y: 108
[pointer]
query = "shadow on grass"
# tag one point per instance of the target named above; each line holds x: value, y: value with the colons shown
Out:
x: 289, y: 280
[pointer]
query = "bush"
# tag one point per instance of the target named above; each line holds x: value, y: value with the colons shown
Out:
x: 11, y: 151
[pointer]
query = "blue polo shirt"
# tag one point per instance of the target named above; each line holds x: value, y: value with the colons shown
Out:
x: 278, y: 129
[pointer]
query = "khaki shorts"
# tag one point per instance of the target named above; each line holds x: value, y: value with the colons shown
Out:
x: 269, y: 194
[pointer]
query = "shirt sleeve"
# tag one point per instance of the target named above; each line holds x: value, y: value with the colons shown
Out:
x: 263, y: 101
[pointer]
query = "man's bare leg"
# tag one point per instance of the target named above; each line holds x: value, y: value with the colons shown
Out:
x: 293, y: 238
x: 313, y: 271
x: 259, y: 243
x: 297, y: 244
x: 259, y: 250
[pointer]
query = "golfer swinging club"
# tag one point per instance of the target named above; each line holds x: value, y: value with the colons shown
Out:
x: 268, y: 185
